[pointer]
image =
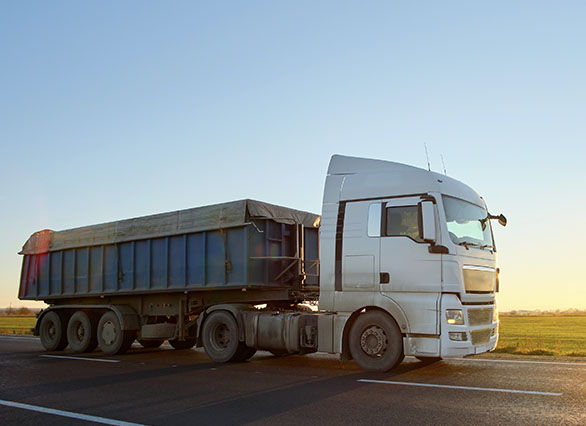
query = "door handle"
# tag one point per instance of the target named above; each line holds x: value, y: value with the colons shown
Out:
x: 385, y: 278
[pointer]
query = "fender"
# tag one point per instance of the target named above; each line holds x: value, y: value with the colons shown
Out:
x: 235, y: 309
x: 387, y: 304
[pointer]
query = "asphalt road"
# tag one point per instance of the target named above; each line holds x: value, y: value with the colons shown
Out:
x: 169, y: 387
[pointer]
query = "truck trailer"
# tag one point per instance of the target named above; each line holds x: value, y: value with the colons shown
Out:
x: 402, y: 261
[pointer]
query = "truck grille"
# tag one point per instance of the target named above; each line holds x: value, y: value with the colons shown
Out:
x: 480, y: 316
x: 480, y: 337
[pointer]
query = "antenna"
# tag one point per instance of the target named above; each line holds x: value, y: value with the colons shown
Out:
x: 427, y: 155
x: 444, y: 164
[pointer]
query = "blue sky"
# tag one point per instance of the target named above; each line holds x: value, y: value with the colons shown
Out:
x: 111, y: 110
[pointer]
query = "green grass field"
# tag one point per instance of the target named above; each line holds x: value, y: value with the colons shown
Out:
x: 543, y: 335
x: 524, y: 335
x: 16, y: 324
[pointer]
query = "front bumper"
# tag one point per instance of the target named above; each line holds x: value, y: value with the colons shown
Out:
x: 479, y: 329
x: 478, y: 334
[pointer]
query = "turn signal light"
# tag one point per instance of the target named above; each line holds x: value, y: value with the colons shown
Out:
x: 457, y: 336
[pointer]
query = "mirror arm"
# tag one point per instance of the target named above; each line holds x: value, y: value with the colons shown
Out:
x: 501, y: 218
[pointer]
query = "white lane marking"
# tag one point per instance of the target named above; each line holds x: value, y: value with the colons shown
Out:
x: 428, y: 385
x: 80, y: 358
x: 69, y: 414
x: 516, y: 361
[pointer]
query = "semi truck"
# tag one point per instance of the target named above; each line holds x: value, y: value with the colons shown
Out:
x: 402, y: 261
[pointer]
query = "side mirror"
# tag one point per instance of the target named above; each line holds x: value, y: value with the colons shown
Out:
x: 427, y: 229
x: 501, y: 218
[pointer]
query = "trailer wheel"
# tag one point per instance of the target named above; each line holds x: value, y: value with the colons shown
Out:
x: 375, y: 342
x: 81, y: 333
x: 111, y: 338
x: 150, y: 343
x: 183, y: 344
x: 52, y: 331
x: 220, y: 337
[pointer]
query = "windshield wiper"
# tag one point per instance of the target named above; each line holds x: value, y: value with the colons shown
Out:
x: 487, y: 246
x: 468, y: 244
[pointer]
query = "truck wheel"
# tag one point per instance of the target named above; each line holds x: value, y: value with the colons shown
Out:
x: 375, y: 342
x: 52, y: 331
x: 81, y: 333
x: 111, y: 338
x: 150, y: 343
x: 183, y: 344
x: 243, y: 353
x: 220, y: 337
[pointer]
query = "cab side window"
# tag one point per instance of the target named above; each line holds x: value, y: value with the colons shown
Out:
x: 402, y: 222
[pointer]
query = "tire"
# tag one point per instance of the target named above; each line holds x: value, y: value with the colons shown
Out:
x: 183, y: 344
x: 111, y: 338
x: 429, y: 359
x: 151, y: 343
x: 220, y: 337
x: 81, y: 333
x: 375, y: 342
x: 243, y: 353
x: 52, y: 331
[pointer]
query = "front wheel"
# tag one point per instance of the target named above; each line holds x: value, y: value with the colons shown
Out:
x: 375, y: 342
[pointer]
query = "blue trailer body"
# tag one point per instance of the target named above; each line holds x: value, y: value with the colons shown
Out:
x: 256, y: 250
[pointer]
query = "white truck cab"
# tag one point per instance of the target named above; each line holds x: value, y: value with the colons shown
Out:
x: 414, y: 245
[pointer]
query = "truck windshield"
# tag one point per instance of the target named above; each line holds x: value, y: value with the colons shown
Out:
x: 467, y: 223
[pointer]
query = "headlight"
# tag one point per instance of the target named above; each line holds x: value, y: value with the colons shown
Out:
x: 454, y: 316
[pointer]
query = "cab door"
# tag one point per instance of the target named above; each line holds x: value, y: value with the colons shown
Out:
x: 409, y: 273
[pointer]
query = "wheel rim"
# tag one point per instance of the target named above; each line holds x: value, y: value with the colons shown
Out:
x: 51, y: 330
x: 109, y: 333
x: 373, y: 341
x: 79, y: 331
x: 220, y: 337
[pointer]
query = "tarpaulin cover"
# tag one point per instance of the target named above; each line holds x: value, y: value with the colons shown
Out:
x: 207, y: 218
